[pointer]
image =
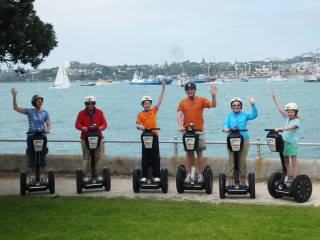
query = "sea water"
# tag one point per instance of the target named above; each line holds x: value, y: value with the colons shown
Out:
x: 120, y: 103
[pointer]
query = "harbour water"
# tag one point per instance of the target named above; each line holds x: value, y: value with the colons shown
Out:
x: 121, y: 103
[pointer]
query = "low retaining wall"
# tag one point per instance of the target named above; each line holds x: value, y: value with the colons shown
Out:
x: 124, y: 165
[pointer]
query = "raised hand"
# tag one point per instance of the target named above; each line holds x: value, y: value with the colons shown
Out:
x: 213, y: 90
x: 251, y: 100
x: 14, y: 92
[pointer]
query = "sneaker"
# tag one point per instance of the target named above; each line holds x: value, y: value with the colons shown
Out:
x: 188, y: 179
x: 43, y: 179
x: 242, y: 185
x: 230, y: 185
x: 143, y: 180
x: 285, y: 179
x: 200, y: 179
x: 99, y: 179
x: 32, y: 180
x: 156, y: 180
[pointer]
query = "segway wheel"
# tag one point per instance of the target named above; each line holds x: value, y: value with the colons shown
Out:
x: 136, y: 180
x: 23, y: 183
x: 273, y: 183
x: 208, y: 179
x: 222, y: 185
x: 252, y: 185
x: 301, y: 188
x: 180, y: 177
x: 164, y: 180
x: 79, y: 180
x: 51, y: 181
x: 106, y: 179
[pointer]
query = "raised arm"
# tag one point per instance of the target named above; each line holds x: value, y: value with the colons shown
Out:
x: 160, y: 98
x: 277, y: 104
x: 14, y: 98
x: 213, y: 90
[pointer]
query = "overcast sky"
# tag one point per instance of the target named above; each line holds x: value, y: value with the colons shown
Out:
x: 115, y: 32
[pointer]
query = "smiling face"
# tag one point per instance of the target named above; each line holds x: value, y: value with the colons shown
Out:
x: 190, y: 92
x: 291, y: 113
x: 236, y: 106
x: 90, y: 105
x: 147, y: 105
x: 38, y: 103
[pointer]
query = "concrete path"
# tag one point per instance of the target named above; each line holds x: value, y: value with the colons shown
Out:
x: 122, y: 187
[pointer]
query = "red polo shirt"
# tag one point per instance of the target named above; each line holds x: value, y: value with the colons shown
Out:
x: 83, y: 120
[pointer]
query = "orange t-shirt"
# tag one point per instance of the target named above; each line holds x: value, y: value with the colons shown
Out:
x: 148, y: 119
x: 192, y: 109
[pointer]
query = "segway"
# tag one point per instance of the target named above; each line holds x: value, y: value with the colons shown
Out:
x: 147, y: 138
x: 235, y: 144
x: 300, y: 189
x: 190, y: 142
x: 38, y: 152
x: 93, y: 180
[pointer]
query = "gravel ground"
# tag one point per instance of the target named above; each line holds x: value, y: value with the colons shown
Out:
x: 122, y: 187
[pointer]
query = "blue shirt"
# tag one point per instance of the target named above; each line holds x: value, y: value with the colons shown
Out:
x: 36, y: 119
x: 292, y: 135
x: 239, y: 120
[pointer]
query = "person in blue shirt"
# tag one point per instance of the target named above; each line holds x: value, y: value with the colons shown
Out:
x: 290, y: 133
x: 39, y: 121
x: 238, y: 119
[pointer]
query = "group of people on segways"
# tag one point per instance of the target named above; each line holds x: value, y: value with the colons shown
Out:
x: 195, y: 175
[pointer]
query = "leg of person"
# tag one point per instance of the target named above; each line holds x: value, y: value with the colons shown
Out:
x: 243, y: 162
x: 98, y: 155
x: 295, y: 165
x: 144, y: 164
x: 230, y: 171
x: 43, y: 159
x: 156, y: 159
x: 85, y: 157
x: 200, y: 158
x: 30, y: 155
x: 189, y: 156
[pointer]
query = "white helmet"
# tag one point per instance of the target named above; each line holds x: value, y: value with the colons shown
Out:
x: 89, y: 99
x: 236, y: 99
x: 146, y: 98
x: 291, y: 106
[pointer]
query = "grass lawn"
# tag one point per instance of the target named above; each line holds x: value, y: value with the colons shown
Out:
x: 34, y: 217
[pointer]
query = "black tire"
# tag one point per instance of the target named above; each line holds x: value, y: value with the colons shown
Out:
x: 106, y: 179
x: 23, y: 183
x: 180, y: 177
x: 273, y: 182
x: 136, y: 176
x: 301, y: 188
x: 222, y: 185
x: 164, y: 180
x: 79, y: 180
x: 51, y: 182
x: 252, y: 185
x: 208, y: 179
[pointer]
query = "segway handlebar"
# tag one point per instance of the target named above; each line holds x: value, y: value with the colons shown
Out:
x: 37, y: 132
x: 272, y: 130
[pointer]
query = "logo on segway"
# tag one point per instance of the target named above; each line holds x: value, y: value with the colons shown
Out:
x: 38, y: 144
x: 147, y: 141
x: 235, y: 144
x: 272, y: 144
x: 93, y: 142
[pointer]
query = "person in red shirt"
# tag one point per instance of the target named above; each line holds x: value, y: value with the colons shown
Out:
x: 88, y: 117
x: 147, y: 119
x: 190, y: 110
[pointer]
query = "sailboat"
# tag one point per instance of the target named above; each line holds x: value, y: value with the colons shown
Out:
x: 62, y: 80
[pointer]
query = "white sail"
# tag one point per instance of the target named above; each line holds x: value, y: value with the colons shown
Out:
x: 62, y: 80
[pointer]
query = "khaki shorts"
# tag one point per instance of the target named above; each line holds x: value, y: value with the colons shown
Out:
x: 202, y: 142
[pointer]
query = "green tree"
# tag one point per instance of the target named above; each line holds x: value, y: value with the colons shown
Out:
x: 24, y: 38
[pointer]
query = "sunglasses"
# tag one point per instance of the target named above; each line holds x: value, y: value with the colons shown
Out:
x: 236, y: 105
x: 90, y: 103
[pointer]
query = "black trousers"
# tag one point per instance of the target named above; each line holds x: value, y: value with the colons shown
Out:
x: 151, y: 158
x: 32, y: 154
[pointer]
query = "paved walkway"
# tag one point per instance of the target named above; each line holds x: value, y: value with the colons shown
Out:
x: 122, y: 187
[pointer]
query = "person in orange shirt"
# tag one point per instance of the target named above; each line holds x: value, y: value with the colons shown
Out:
x: 147, y: 119
x: 190, y: 110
